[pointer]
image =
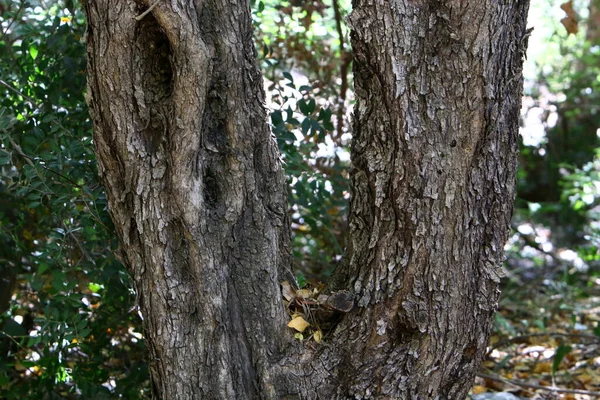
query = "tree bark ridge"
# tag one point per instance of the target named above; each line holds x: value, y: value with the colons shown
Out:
x: 434, y: 152
x: 195, y: 189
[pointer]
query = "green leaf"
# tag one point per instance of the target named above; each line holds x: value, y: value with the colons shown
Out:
x: 82, y: 323
x: 5, y: 157
x: 301, y: 279
x: 34, y: 340
x: 289, y: 115
x: 58, y: 280
x: 287, y: 136
x: 288, y: 76
x: 303, y: 106
x: 33, y: 52
x: 4, y: 381
x: 13, y: 329
x: 560, y: 354
x: 43, y: 267
x: 94, y: 287
x: 276, y: 118
x: 312, y: 104
x: 325, y: 114
x: 307, y: 108
x: 85, y: 333
x: 306, y: 124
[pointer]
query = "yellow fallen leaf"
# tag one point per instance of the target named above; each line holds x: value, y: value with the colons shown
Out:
x: 286, y: 290
x: 478, y: 389
x: 543, y: 367
x: 570, y: 21
x: 585, y: 378
x: 318, y: 336
x: 298, y: 324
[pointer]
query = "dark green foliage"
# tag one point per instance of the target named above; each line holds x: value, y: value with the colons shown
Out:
x: 570, y: 144
x: 69, y: 329
x: 306, y: 61
x: 316, y: 187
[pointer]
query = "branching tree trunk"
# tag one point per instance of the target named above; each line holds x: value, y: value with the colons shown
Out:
x: 197, y: 195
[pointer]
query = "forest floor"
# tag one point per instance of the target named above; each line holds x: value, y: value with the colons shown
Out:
x: 546, y: 338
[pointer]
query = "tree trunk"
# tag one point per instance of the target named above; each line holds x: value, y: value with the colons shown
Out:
x: 593, y: 23
x: 434, y: 152
x: 197, y: 195
x: 195, y: 188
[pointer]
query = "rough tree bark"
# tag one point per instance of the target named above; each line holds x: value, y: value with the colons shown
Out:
x: 434, y: 150
x: 197, y: 195
x: 593, y: 23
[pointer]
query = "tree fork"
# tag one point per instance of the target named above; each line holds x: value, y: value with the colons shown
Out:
x: 198, y: 199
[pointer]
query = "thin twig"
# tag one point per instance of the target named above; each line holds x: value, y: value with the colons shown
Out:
x: 12, y: 89
x: 501, y: 343
x: 530, y: 241
x: 21, y: 6
x: 148, y: 11
x: 554, y: 389
x: 345, y: 60
x: 30, y: 160
x: 12, y: 338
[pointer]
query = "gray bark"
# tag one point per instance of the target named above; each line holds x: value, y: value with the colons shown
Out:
x: 593, y: 23
x: 198, y: 199
x: 195, y: 189
x: 434, y: 151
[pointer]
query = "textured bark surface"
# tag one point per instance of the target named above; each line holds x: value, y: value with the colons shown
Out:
x: 196, y: 192
x: 195, y: 188
x: 593, y: 23
x: 434, y: 152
